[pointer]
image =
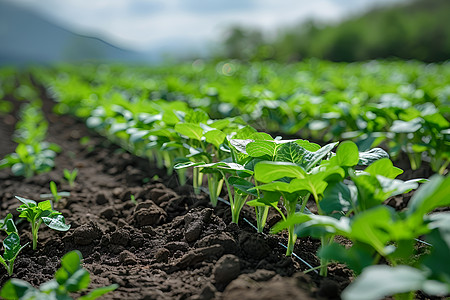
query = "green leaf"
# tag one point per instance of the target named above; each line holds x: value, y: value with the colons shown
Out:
x: 338, y: 197
x: 290, y: 152
x: 7, y: 224
x: 377, y: 282
x: 368, y: 157
x: 400, y: 126
x: 11, y: 244
x: 429, y: 196
x: 56, y: 222
x: 384, y: 167
x: 27, y: 202
x: 71, y: 261
x: 99, y: 292
x: 215, y: 137
x: 373, y: 227
x: 79, y: 280
x: 45, y: 205
x: 193, y: 131
x: 15, y: 289
x: 242, y: 185
x: 245, y: 133
x: 270, y: 171
x: 313, y: 158
x: 240, y: 145
x: 196, y: 116
x: 347, y: 154
x: 262, y: 148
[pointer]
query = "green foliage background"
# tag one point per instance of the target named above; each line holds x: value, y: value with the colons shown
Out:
x: 413, y: 30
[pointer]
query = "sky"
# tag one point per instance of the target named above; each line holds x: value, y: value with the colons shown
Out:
x: 145, y: 24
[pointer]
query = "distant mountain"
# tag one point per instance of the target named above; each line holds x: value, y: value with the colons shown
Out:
x: 25, y: 37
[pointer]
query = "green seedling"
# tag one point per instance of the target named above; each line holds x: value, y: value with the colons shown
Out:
x: 7, y: 224
x: 133, y: 199
x: 55, y: 195
x: 12, y: 247
x: 70, y: 278
x: 38, y: 213
x: 11, y: 244
x: 70, y: 176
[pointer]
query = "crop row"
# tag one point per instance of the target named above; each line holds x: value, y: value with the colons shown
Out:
x: 402, y: 105
x: 348, y: 186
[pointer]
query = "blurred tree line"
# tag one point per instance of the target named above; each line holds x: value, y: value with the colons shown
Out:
x: 414, y: 30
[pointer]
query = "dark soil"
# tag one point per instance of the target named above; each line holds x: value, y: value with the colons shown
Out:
x: 170, y: 245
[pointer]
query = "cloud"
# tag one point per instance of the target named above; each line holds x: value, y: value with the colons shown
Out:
x: 145, y: 24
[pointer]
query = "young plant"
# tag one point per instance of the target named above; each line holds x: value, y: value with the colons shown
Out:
x: 54, y: 193
x: 70, y: 176
x: 38, y: 213
x: 11, y: 244
x: 70, y: 278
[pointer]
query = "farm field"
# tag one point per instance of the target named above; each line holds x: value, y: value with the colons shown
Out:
x: 314, y: 180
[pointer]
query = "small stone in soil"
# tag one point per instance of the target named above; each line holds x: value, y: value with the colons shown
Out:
x: 226, y: 269
x: 127, y: 258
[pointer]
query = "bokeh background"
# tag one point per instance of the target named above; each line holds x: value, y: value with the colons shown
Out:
x: 155, y: 31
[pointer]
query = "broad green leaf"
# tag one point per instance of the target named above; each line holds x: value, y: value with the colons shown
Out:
x: 245, y: 133
x: 56, y: 222
x: 15, y: 289
x: 377, y: 282
x: 215, y: 137
x: 71, y: 261
x: 27, y: 202
x: 338, y: 197
x: 193, y: 131
x: 368, y: 157
x: 99, y: 292
x: 400, y: 126
x: 290, y: 152
x: 11, y: 244
x: 384, y: 167
x: 309, y: 221
x: 45, y: 205
x: 261, y: 136
x: 372, y: 227
x: 270, y: 171
x: 242, y: 185
x: 440, y: 239
x: 347, y: 154
x: 240, y: 145
x: 262, y: 148
x: 312, y: 147
x: 77, y: 281
x: 7, y: 224
x: 196, y: 116
x: 313, y: 158
x: 430, y: 195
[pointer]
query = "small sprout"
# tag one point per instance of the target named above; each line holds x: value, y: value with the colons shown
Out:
x: 55, y: 195
x: 38, y: 213
x: 133, y: 199
x: 12, y: 247
x: 70, y: 278
x: 85, y: 140
x: 70, y: 176
x: 11, y: 243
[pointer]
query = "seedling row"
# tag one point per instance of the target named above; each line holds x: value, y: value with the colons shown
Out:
x: 348, y: 181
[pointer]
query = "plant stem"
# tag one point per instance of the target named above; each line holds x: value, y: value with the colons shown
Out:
x: 34, y: 231
x: 324, y: 262
x: 291, y: 240
x: 261, y: 217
